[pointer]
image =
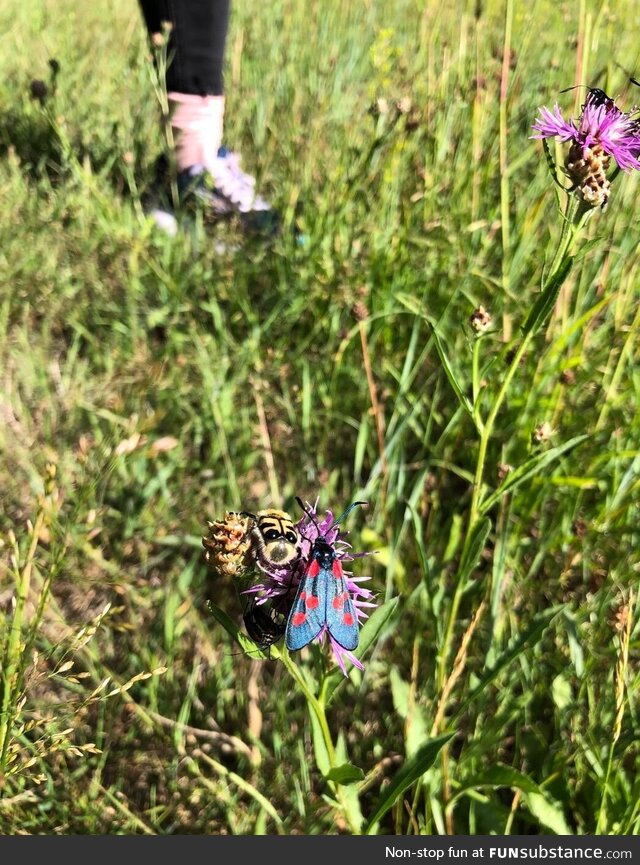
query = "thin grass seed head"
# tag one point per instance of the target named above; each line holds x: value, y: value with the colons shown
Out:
x: 601, y: 133
x: 623, y: 625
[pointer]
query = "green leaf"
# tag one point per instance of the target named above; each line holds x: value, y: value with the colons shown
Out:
x: 575, y: 646
x: 319, y: 748
x: 561, y: 692
x: 415, y: 307
x: 548, y: 812
x: 476, y: 546
x: 227, y: 623
x: 245, y: 642
x: 399, y: 692
x: 416, y: 725
x: 410, y: 302
x: 531, y: 467
x: 369, y: 635
x: 417, y: 728
x: 494, y: 777
x: 410, y: 772
x: 254, y: 651
x: 448, y: 369
x: 345, y: 774
x: 547, y: 299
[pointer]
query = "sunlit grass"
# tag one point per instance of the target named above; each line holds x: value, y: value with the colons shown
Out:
x: 342, y: 369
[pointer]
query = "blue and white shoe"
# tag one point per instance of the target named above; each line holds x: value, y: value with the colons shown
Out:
x: 222, y: 191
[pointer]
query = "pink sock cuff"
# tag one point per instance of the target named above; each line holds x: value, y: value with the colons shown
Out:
x: 197, y: 122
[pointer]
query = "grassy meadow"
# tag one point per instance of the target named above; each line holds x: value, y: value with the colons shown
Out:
x: 148, y: 384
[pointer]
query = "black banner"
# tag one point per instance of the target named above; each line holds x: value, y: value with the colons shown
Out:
x: 283, y: 850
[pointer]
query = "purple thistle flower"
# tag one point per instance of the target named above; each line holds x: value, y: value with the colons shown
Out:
x: 602, y: 132
x: 601, y: 122
x: 279, y: 585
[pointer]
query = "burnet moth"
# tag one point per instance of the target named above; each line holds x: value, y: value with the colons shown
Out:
x: 322, y: 600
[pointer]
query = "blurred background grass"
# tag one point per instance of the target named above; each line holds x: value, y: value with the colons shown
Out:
x: 171, y: 379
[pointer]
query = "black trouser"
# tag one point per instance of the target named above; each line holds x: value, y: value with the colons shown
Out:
x: 196, y: 44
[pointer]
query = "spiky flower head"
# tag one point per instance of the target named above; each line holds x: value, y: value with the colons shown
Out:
x: 602, y: 132
x: 227, y: 546
x: 278, y: 586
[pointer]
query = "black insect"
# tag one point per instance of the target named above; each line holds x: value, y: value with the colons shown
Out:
x: 596, y: 96
x: 263, y: 624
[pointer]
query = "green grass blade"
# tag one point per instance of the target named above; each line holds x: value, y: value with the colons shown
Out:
x: 411, y: 771
x: 529, y: 469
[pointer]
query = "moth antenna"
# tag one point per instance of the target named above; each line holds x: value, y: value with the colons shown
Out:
x: 634, y: 81
x: 308, y: 513
x: 345, y: 513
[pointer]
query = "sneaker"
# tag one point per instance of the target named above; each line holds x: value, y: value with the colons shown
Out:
x: 226, y: 190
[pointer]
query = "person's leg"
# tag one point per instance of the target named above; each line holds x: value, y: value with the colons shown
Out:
x: 196, y: 43
x: 194, y: 80
x: 194, y: 76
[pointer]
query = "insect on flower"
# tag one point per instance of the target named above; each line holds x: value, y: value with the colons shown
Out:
x: 274, y: 538
x: 322, y: 601
x: 264, y: 626
x: 596, y: 96
x: 602, y: 132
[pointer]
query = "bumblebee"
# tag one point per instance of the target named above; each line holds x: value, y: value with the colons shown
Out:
x: 274, y: 538
x: 228, y: 546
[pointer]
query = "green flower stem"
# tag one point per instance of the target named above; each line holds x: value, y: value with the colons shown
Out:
x: 602, y: 810
x: 573, y: 220
x: 475, y: 384
x: 318, y: 709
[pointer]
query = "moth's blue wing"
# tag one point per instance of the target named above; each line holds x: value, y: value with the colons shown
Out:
x: 307, y: 616
x: 342, y: 621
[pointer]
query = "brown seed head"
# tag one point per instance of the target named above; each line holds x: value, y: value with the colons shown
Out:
x: 360, y: 311
x: 588, y: 172
x: 228, y: 545
x: 542, y: 433
x: 38, y: 90
x: 503, y: 470
x: 480, y: 320
x: 579, y: 528
x: 621, y: 618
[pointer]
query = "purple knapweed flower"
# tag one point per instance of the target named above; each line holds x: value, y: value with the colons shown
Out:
x: 602, y: 132
x: 279, y: 586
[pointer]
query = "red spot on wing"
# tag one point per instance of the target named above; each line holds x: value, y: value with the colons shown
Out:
x: 336, y: 567
x: 298, y: 618
x: 347, y: 619
x: 338, y: 602
x: 311, y: 602
x: 303, y: 595
x: 314, y: 569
